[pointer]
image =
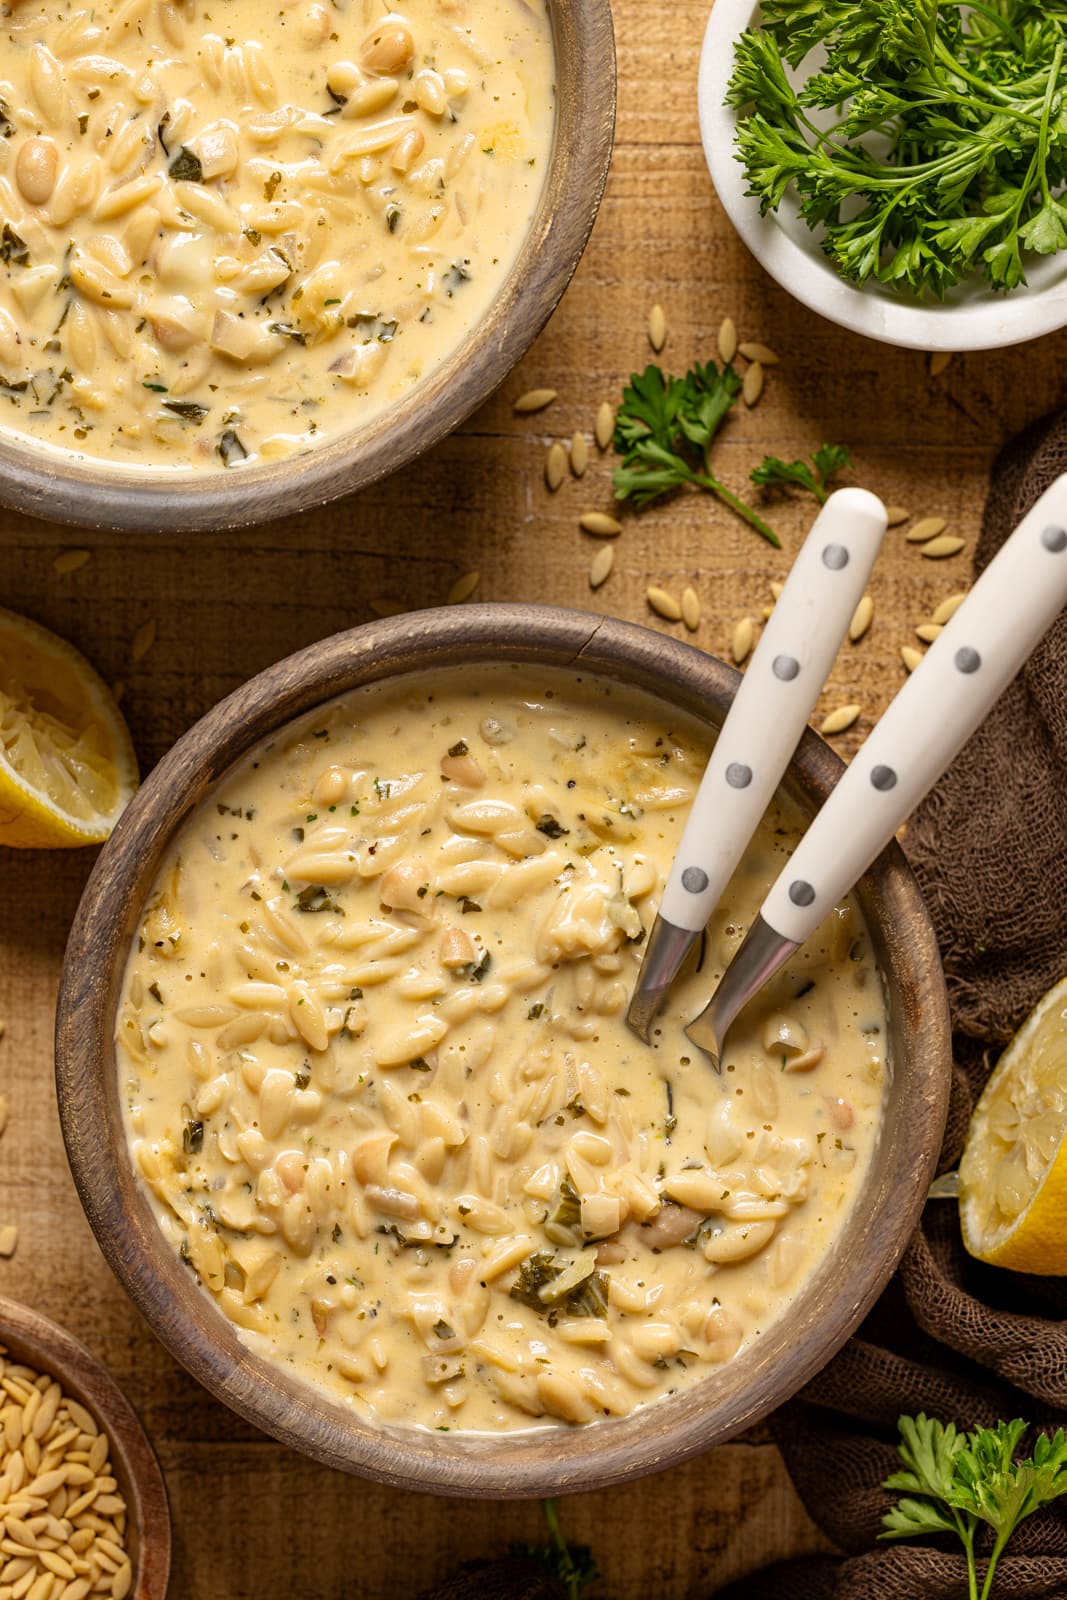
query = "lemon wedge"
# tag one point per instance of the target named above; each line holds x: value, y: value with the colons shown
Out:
x: 1013, y: 1176
x: 67, y: 766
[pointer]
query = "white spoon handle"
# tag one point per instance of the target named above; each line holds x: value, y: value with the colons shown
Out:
x: 963, y: 673
x: 774, y: 702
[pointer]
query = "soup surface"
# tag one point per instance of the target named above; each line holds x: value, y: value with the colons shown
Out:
x: 231, y: 230
x: 377, y: 1077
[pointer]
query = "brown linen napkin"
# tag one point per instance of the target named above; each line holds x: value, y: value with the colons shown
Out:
x: 516, y: 1579
x: 963, y: 1342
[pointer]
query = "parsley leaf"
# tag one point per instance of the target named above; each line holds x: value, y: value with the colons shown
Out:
x: 573, y: 1565
x: 826, y: 463
x: 664, y: 431
x: 970, y: 151
x: 952, y: 1481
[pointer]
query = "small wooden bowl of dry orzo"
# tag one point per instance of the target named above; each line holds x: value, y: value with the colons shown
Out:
x: 350, y: 1100
x: 246, y: 270
x: 81, y: 1492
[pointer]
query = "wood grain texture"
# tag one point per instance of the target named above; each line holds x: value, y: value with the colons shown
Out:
x: 229, y: 605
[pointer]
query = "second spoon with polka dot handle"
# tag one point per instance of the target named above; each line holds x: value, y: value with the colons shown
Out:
x: 965, y: 670
x: 770, y: 710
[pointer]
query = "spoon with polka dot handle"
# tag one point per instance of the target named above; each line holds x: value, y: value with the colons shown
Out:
x: 766, y: 720
x: 966, y: 669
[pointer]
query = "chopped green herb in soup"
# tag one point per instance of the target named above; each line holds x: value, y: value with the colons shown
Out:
x: 232, y: 231
x: 379, y: 1085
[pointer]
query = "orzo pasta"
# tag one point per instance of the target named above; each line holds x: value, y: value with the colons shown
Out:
x: 379, y: 1085
x: 231, y: 232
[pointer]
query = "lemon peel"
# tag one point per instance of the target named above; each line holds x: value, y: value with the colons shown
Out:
x: 1013, y: 1175
x: 67, y: 764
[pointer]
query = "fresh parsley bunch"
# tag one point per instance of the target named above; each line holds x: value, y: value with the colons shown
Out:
x: 953, y: 1481
x: 931, y: 145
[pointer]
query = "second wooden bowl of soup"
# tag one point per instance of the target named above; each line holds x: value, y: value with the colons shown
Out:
x: 350, y: 1100
x: 248, y: 268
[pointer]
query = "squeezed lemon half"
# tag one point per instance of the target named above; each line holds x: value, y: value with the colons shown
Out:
x: 1013, y: 1176
x: 67, y: 766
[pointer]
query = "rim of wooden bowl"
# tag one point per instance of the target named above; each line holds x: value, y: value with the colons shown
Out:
x: 47, y: 484
x: 32, y: 1337
x: 538, y: 1462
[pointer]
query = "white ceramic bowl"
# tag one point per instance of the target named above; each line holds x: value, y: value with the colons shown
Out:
x: 970, y: 318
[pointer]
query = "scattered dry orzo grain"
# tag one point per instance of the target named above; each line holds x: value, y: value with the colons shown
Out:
x: 463, y: 588
x: 601, y: 565
x: 727, y: 340
x: 776, y: 590
x: 766, y: 613
x: 9, y: 1238
x: 910, y: 656
x: 752, y: 350
x: 143, y: 640
x: 838, y: 720
x: 939, y: 361
x: 555, y: 465
x: 600, y: 523
x: 895, y: 515
x: 386, y: 607
x: 752, y: 385
x: 579, y: 455
x: 948, y: 607
x: 945, y: 545
x: 928, y: 631
x: 657, y: 328
x: 690, y: 608
x: 861, y: 619
x: 70, y: 561
x: 925, y: 528
x: 742, y: 639
x: 663, y: 603
x: 605, y: 424
x: 534, y: 400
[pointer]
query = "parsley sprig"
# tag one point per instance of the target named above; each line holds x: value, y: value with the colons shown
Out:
x: 953, y: 1481
x: 826, y: 463
x: 573, y: 1565
x: 664, y: 431
x: 930, y: 145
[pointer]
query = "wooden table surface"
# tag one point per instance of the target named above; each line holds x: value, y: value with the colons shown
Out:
x: 250, y: 1519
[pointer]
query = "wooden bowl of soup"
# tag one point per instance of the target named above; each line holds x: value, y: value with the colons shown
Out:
x: 81, y: 1449
x: 349, y: 1097
x: 247, y: 270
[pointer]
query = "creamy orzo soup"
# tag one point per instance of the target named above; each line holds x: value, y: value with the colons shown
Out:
x: 377, y: 1077
x: 231, y: 230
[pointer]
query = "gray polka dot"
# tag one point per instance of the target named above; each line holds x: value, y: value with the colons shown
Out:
x: 785, y: 667
x: 968, y: 660
x: 835, y: 556
x: 1054, y: 539
x: 695, y: 879
x: 883, y: 778
x: 801, y: 893
x: 738, y: 776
